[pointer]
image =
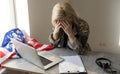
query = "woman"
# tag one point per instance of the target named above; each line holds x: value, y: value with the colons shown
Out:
x: 69, y: 30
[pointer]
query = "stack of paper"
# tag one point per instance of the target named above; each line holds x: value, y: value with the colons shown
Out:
x: 71, y: 64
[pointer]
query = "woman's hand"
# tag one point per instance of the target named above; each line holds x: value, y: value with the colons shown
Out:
x: 56, y: 30
x: 67, y: 27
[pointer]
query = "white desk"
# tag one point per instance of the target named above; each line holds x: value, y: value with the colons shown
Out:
x: 91, y: 66
x: 88, y: 60
x: 22, y: 65
x: 26, y: 67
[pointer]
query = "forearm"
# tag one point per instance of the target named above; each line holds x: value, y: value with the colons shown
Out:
x: 71, y: 38
x: 54, y: 36
x: 77, y: 46
x: 53, y: 41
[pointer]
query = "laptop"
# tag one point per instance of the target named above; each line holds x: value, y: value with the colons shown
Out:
x: 42, y: 59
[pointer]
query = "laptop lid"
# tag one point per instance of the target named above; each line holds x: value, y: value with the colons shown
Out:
x: 30, y: 54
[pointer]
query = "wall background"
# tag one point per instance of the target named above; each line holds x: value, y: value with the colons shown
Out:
x: 102, y: 16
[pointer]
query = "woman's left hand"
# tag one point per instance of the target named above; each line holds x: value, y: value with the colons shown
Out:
x: 67, y: 27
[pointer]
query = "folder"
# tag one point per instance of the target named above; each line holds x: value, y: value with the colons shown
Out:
x: 72, y: 65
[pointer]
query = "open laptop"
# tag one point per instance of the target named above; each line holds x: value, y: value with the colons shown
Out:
x: 43, y: 59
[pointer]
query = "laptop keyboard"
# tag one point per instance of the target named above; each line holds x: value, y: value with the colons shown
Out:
x: 44, y: 61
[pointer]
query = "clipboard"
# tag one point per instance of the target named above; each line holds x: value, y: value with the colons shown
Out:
x: 72, y: 65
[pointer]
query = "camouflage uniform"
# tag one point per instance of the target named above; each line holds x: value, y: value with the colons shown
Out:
x: 81, y: 32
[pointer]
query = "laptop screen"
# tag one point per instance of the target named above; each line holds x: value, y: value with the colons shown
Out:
x: 44, y: 60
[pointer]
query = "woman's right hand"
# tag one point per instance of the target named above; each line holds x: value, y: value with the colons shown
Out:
x: 56, y: 30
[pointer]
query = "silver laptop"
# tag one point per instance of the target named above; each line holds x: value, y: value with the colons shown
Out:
x: 42, y: 59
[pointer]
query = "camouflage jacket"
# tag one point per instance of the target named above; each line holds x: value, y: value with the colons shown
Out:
x: 80, y: 45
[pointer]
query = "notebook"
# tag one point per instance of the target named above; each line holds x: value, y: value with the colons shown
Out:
x: 72, y: 65
x: 43, y: 59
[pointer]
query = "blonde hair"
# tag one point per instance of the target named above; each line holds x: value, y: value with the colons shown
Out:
x: 61, y: 10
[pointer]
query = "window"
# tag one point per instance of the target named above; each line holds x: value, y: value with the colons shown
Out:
x: 6, y: 17
x: 22, y: 18
x: 13, y: 13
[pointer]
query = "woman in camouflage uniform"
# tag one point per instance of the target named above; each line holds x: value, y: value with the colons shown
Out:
x: 69, y: 30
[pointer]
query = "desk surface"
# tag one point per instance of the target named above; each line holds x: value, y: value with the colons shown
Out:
x: 88, y: 60
x: 92, y: 67
x: 19, y: 64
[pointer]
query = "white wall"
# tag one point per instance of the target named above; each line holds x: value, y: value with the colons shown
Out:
x: 102, y: 15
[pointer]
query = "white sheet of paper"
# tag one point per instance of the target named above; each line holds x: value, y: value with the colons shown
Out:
x: 72, y: 64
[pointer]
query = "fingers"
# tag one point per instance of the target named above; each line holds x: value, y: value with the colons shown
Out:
x: 66, y: 25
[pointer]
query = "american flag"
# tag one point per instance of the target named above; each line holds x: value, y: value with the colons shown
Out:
x: 38, y: 46
x: 5, y: 54
x: 8, y: 50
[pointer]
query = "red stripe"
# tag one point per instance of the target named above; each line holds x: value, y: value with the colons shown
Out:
x: 0, y: 66
x: 34, y: 43
x: 34, y: 40
x: 2, y: 54
x: 11, y: 56
x: 49, y: 47
x: 38, y: 46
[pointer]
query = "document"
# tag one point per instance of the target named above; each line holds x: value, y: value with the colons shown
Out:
x: 71, y: 64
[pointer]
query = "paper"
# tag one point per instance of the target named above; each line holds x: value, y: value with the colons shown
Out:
x: 72, y: 64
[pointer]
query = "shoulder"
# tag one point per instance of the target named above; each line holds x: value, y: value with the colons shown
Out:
x: 82, y: 24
